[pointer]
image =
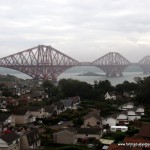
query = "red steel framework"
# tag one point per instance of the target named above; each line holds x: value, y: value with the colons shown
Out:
x: 113, y: 64
x: 41, y: 62
x: 145, y: 64
x: 45, y: 62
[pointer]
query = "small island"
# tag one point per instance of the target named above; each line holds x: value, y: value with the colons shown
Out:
x: 90, y: 74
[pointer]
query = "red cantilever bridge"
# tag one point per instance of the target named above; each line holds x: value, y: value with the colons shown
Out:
x: 45, y: 62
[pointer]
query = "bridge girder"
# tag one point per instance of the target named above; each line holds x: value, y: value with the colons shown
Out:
x: 41, y: 62
x: 112, y: 64
x: 145, y: 64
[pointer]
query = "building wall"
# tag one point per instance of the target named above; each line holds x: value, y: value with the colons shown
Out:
x: 110, y: 121
x: 122, y: 117
x: 13, y: 120
x: 20, y: 119
x: 24, y: 145
x: 64, y: 137
x: 132, y: 116
x: 92, y: 121
x: 38, y: 114
x: 108, y: 97
x: 140, y: 110
x: 36, y: 144
x: 13, y: 146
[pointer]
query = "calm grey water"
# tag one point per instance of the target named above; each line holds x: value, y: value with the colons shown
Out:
x: 128, y: 76
x: 73, y: 73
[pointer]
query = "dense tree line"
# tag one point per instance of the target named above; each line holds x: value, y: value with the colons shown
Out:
x: 70, y: 87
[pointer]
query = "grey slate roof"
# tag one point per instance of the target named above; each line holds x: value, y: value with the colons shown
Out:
x: 67, y: 102
x: 4, y: 117
x: 32, y: 136
x: 94, y: 113
x: 71, y: 130
x: 9, y: 137
x: 49, y: 108
x: 37, y: 108
x: 20, y: 112
x: 89, y: 131
x: 59, y: 105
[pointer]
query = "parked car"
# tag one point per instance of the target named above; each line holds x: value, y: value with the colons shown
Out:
x: 60, y: 122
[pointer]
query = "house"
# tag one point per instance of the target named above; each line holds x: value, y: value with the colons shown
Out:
x: 110, y: 120
x: 71, y: 103
x: 92, y: 119
x: 132, y: 115
x: 89, y: 133
x: 23, y: 117
x: 68, y: 133
x: 3, y: 103
x: 50, y: 110
x: 68, y: 103
x: 6, y: 121
x: 37, y: 112
x: 24, y: 99
x: 76, y: 101
x: 140, y: 110
x: 60, y: 107
x: 30, y: 139
x: 38, y: 95
x: 129, y: 94
x: 12, y: 102
x: 122, y: 118
x: 126, y: 106
x: 110, y: 96
x: 118, y: 128
x: 10, y: 141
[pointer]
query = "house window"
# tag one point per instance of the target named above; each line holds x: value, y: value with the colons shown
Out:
x: 98, y: 123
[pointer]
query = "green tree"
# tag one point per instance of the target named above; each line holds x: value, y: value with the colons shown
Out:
x: 127, y: 87
x: 70, y: 87
x: 143, y: 91
x: 78, y: 121
x: 101, y: 88
x: 49, y: 88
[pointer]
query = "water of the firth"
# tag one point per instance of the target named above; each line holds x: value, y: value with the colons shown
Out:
x: 128, y: 74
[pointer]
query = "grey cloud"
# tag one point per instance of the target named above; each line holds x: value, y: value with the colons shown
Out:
x: 83, y: 30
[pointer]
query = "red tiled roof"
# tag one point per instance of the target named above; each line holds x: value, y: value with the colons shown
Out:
x: 145, y: 131
x: 118, y: 147
x: 112, y: 146
x: 136, y: 140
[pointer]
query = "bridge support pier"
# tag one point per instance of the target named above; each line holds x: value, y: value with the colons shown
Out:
x: 113, y: 74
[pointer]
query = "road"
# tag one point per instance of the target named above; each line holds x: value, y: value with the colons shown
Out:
x: 65, y: 124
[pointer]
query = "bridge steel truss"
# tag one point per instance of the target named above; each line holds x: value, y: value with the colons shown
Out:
x: 41, y: 62
x: 113, y: 64
x: 45, y: 62
x: 145, y: 64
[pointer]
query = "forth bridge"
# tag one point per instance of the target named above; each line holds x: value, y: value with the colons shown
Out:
x: 47, y: 63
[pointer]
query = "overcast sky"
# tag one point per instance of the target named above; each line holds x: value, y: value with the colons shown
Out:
x: 83, y: 29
